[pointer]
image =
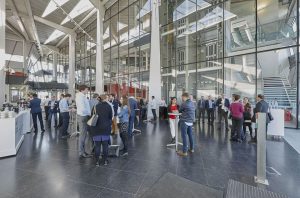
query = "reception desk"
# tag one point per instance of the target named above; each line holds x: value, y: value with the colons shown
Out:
x: 12, y: 132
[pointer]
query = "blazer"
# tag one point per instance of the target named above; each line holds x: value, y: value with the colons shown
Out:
x: 104, y: 122
x: 56, y: 107
x: 115, y: 104
x: 201, y: 104
x: 226, y: 103
x: 262, y: 107
x: 133, y: 105
x: 187, y: 111
x: 35, y: 105
x: 207, y: 104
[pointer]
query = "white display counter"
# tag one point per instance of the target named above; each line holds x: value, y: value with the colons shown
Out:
x: 12, y: 132
x: 276, y: 127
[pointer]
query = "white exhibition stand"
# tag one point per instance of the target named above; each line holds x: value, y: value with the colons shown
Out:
x: 176, y: 131
x: 12, y: 133
x: 276, y: 127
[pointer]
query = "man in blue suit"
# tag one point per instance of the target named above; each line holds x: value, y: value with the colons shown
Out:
x: 210, y: 109
x: 133, y: 105
x: 223, y: 105
x: 53, y: 110
x: 36, y: 111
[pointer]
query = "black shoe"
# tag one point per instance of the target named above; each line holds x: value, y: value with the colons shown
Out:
x: 125, y: 153
x: 43, y: 130
x: 97, y: 163
x: 173, y: 141
x: 106, y: 162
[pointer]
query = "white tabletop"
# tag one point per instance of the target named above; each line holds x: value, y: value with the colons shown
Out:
x: 175, y: 114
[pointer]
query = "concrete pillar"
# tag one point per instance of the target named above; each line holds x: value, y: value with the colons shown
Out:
x: 99, y: 54
x: 54, y: 67
x: 2, y: 51
x: 155, y: 74
x: 186, y: 58
x: 71, y: 88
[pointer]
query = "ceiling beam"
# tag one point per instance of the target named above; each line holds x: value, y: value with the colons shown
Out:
x: 28, y: 7
x: 76, y: 27
x: 12, y: 28
x: 12, y: 37
x: 54, y: 25
x: 19, y: 20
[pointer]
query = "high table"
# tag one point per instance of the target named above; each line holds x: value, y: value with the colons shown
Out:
x: 176, y: 131
x: 12, y: 132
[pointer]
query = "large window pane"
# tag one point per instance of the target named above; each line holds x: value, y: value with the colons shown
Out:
x: 240, y: 26
x: 240, y: 76
x: 277, y: 80
x: 277, y: 23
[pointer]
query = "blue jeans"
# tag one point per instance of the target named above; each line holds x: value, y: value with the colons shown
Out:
x: 98, y: 149
x: 185, y: 129
x: 130, y: 125
x: 50, y: 118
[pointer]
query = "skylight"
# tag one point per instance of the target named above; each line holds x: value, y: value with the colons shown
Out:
x: 81, y: 7
x: 52, y: 6
x: 54, y: 36
x: 188, y: 7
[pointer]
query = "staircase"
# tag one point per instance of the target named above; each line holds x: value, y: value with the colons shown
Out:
x: 280, y: 88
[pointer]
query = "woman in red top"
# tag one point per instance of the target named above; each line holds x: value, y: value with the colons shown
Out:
x: 173, y: 108
x: 237, y: 110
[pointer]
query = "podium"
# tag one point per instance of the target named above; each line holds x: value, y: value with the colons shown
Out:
x: 176, y: 131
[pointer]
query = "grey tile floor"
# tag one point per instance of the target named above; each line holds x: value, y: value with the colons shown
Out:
x: 47, y: 166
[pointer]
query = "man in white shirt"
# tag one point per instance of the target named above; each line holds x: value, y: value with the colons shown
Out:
x: 83, y: 114
x: 153, y: 105
x: 163, y: 110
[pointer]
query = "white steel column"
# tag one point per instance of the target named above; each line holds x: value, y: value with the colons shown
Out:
x: 2, y: 51
x: 155, y: 74
x: 54, y: 67
x: 71, y: 88
x: 99, y: 54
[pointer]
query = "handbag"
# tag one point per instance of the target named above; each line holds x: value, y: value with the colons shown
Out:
x: 94, y: 119
x: 270, y: 116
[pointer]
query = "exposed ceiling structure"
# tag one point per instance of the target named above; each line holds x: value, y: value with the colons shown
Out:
x: 43, y: 21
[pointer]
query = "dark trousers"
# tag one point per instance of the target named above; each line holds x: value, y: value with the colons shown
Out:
x: 130, y: 124
x: 46, y: 112
x: 123, y: 126
x: 34, y: 119
x: 210, y: 115
x: 54, y: 114
x: 104, y: 145
x: 65, y: 123
x: 236, y: 130
x: 201, y: 114
x: 154, y: 114
x: 223, y: 114
x: 249, y: 125
x: 60, y: 120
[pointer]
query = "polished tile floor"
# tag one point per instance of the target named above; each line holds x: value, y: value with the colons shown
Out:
x: 47, y: 166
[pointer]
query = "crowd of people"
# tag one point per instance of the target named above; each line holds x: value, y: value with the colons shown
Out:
x: 113, y: 116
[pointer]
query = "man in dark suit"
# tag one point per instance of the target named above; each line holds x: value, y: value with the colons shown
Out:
x: 223, y: 105
x: 36, y: 111
x: 261, y: 107
x: 201, y: 109
x: 53, y: 110
x: 210, y: 109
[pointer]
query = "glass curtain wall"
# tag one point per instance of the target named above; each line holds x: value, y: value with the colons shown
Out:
x: 126, y: 37
x: 249, y: 47
x: 85, y: 66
